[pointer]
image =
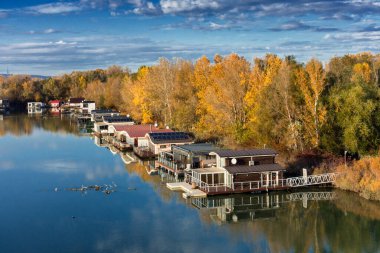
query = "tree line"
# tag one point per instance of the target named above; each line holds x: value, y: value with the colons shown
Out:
x: 274, y: 102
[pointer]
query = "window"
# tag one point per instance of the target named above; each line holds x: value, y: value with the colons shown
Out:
x: 162, y: 146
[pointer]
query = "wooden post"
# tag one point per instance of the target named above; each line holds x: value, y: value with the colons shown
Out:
x: 304, y: 171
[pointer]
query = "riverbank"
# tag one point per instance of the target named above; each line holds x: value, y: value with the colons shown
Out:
x: 362, y: 177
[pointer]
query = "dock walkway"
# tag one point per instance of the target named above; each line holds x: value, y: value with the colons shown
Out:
x: 186, y: 188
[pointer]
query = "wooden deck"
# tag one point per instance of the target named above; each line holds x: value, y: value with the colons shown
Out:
x: 260, y: 186
x: 169, y: 168
x: 143, y: 153
x: 187, y: 189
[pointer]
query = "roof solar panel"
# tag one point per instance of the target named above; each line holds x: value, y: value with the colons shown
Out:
x: 169, y: 136
x: 114, y: 119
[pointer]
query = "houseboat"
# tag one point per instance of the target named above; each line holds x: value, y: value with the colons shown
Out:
x: 86, y: 107
x: 161, y: 142
x: 75, y: 102
x: 56, y: 103
x: 4, y: 105
x: 36, y: 107
x: 129, y: 136
x: 102, y: 128
x: 238, y: 171
x: 97, y: 115
x: 183, y: 158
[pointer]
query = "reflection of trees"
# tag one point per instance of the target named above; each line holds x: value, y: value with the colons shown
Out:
x: 345, y: 225
x: 353, y: 203
x: 23, y: 125
x: 155, y: 181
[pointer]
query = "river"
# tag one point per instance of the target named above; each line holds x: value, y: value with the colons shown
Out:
x: 42, y: 159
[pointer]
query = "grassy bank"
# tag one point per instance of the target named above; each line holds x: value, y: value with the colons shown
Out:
x: 362, y: 176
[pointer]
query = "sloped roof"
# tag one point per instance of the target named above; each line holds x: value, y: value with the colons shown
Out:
x: 100, y: 111
x: 139, y: 131
x: 197, y: 148
x: 170, y: 137
x: 247, y: 152
x: 117, y: 119
x: 76, y: 100
x: 255, y: 168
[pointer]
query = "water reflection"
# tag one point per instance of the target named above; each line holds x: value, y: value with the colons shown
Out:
x: 19, y: 125
x: 143, y: 215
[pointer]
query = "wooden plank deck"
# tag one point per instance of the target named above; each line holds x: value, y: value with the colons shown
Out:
x: 186, y: 188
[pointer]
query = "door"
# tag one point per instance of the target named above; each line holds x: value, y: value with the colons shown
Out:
x: 274, y: 178
x: 265, y: 179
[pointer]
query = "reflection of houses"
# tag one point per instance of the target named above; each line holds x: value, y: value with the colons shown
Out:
x: 35, y: 107
x: 100, y: 142
x: 256, y: 206
x: 102, y: 128
x: 186, y: 157
x: 239, y: 171
x: 241, y: 207
x: 128, y: 136
x: 97, y: 115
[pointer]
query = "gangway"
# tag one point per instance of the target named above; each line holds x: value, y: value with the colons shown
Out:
x: 326, y: 178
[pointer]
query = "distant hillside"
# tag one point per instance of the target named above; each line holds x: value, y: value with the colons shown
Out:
x: 34, y: 76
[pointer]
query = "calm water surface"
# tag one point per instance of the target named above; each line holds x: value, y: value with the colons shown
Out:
x: 40, y: 154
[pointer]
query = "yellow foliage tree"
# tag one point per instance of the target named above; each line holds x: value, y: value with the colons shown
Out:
x: 222, y: 95
x: 361, y: 72
x: 311, y: 82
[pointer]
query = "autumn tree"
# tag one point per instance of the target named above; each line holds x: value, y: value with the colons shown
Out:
x: 311, y: 82
x: 224, y: 99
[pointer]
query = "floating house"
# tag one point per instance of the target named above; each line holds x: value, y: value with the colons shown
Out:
x: 36, y: 107
x: 240, y: 171
x: 97, y: 115
x: 56, y: 103
x: 102, y: 128
x: 4, y: 105
x: 161, y: 142
x: 129, y: 136
x: 183, y: 158
x: 75, y: 102
x: 86, y: 107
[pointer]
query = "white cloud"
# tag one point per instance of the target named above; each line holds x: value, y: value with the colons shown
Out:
x: 175, y: 6
x: 49, y: 30
x: 55, y: 8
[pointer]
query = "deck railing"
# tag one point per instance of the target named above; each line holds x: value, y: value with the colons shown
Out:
x: 326, y: 178
x: 259, y: 185
x: 171, y: 164
x: 255, y: 185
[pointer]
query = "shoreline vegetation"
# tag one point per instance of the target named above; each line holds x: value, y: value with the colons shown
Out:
x: 362, y: 177
x: 311, y: 112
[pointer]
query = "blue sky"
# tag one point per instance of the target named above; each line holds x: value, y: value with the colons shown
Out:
x: 55, y: 37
